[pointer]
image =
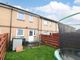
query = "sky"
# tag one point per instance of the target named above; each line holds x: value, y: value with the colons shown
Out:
x: 53, y: 9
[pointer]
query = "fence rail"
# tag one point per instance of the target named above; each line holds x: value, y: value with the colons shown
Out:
x: 51, y: 40
x: 3, y: 45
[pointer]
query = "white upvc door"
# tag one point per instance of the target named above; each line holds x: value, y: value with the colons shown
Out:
x: 31, y: 35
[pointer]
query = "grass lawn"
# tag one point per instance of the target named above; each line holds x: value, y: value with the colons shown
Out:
x: 38, y: 53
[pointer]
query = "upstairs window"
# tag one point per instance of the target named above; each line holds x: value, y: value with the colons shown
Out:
x: 45, y: 22
x: 20, y: 16
x: 50, y: 22
x: 30, y: 18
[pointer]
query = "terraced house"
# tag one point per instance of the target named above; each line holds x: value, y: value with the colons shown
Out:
x: 21, y: 23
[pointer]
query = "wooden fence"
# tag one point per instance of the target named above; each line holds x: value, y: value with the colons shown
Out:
x: 3, y: 45
x: 51, y: 40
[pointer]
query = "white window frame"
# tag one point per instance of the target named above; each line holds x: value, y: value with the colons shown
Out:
x: 50, y: 22
x: 30, y: 18
x: 20, y: 16
x: 45, y: 22
x: 35, y: 32
x: 17, y: 32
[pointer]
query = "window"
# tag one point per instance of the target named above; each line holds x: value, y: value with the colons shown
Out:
x: 35, y: 32
x: 30, y: 18
x: 20, y: 16
x: 45, y: 22
x: 50, y: 22
x: 20, y: 32
x: 30, y: 33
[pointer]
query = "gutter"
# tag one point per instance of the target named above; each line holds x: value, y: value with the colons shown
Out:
x: 30, y: 13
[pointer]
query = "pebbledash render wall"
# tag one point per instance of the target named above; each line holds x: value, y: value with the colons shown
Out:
x: 10, y: 23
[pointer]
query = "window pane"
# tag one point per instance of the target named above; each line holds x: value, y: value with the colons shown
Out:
x: 30, y: 33
x: 20, y: 32
x: 34, y: 32
x: 30, y: 18
x: 45, y: 22
x: 20, y: 16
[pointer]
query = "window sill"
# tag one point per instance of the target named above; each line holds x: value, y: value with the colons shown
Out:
x: 46, y: 25
x: 20, y: 19
x: 20, y: 36
x: 31, y: 21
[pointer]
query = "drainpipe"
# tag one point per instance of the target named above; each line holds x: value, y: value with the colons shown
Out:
x: 11, y: 23
x: 10, y: 27
x: 57, y: 54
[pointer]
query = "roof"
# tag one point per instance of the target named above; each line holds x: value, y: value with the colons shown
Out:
x: 12, y: 7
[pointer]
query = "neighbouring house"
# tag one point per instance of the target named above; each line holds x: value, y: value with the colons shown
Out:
x: 22, y: 23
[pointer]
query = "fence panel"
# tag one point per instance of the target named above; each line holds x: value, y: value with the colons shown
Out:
x: 3, y: 45
x: 44, y: 38
x: 51, y: 40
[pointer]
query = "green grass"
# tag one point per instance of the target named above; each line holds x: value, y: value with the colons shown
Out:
x: 38, y: 53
